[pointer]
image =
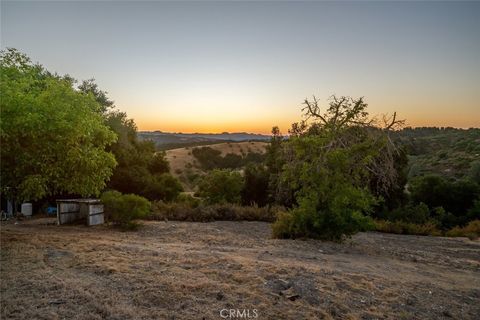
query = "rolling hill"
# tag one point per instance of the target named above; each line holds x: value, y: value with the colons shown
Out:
x: 185, y: 166
x: 166, y: 140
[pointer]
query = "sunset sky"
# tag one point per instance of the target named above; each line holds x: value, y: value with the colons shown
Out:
x: 231, y: 66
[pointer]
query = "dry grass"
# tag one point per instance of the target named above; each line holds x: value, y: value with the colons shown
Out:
x: 182, y: 161
x: 206, y: 213
x: 401, y: 227
x: 181, y: 270
x: 471, y: 230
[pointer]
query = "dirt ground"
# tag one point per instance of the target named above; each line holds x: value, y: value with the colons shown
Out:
x: 181, y: 270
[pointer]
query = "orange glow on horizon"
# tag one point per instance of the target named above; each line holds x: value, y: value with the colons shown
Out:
x: 261, y: 126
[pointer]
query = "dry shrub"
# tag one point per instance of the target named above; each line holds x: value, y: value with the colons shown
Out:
x: 204, y: 213
x: 281, y: 227
x: 401, y: 227
x: 471, y: 230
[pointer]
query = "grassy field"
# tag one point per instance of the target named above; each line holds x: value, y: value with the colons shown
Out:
x: 181, y: 270
x: 184, y: 164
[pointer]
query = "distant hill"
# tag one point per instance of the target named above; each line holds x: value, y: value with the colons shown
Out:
x: 448, y: 152
x: 166, y: 140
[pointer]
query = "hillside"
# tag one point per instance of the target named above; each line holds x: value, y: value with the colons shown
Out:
x: 166, y: 141
x: 186, y: 167
x: 448, y: 152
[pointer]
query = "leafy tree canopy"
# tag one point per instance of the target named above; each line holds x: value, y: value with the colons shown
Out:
x: 330, y: 163
x: 53, y: 136
x: 221, y: 186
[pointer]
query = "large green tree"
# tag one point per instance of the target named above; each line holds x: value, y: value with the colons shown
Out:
x: 336, y: 163
x: 53, y: 137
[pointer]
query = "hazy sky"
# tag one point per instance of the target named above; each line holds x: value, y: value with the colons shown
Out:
x: 245, y: 66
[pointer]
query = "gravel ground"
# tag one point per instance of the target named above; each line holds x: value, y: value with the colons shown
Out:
x: 182, y: 270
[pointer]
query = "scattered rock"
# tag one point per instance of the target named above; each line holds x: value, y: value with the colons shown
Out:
x: 290, y: 294
x: 447, y: 313
x: 278, y: 285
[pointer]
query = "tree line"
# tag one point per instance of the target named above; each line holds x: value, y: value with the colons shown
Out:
x: 61, y: 138
x: 337, y: 172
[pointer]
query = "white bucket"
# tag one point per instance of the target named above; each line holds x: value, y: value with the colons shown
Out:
x: 26, y: 209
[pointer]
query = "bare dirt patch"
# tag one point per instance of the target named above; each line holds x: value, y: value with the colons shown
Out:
x: 181, y: 270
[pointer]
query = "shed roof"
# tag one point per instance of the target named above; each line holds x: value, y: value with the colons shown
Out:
x: 88, y: 201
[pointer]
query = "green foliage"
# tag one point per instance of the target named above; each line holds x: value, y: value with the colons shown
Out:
x: 280, y: 190
x: 448, y: 152
x: 417, y: 214
x: 255, y: 188
x: 91, y: 88
x: 221, y: 186
x: 158, y: 164
x: 123, y: 209
x: 53, y: 136
x: 329, y: 166
x: 141, y: 170
x: 210, y: 159
x: 456, y: 198
x: 474, y: 212
x: 474, y: 172
x: 163, y: 187
x: 207, y: 157
x: 189, y: 200
x: 332, y: 217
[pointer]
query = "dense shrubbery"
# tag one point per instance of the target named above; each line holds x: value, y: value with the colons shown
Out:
x: 448, y: 152
x: 255, y: 187
x: 123, y: 209
x: 221, y: 186
x: 328, y: 166
x: 435, y: 200
x: 455, y: 197
x: 162, y: 186
x: 437, y: 206
x: 53, y: 136
x: 141, y: 170
x: 210, y: 159
x: 195, y: 210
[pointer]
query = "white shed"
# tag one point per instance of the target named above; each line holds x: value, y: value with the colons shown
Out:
x: 72, y: 210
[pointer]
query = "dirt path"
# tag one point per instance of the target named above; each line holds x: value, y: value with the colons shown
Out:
x: 179, y: 270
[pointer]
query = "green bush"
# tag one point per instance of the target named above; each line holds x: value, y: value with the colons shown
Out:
x: 255, y: 188
x: 123, y: 209
x: 417, y: 214
x: 189, y: 200
x: 210, y: 158
x: 163, y: 187
x: 221, y: 186
x: 455, y: 197
x: 340, y: 217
